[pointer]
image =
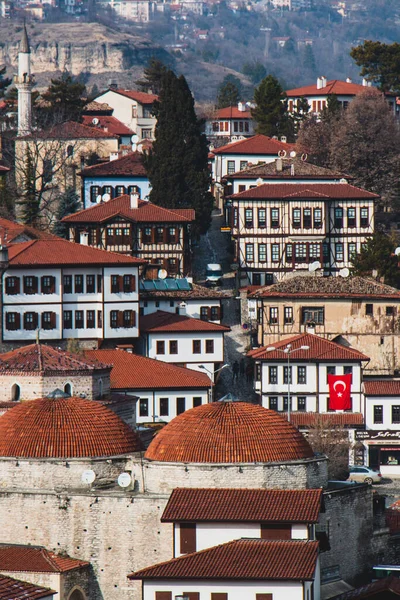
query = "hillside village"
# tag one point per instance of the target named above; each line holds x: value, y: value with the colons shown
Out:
x: 199, y: 359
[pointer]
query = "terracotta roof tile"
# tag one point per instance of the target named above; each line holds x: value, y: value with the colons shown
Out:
x: 241, y: 559
x: 229, y: 432
x: 13, y: 589
x: 166, y: 321
x: 46, y: 359
x: 71, y: 131
x: 327, y: 287
x: 126, y: 166
x: 319, y: 349
x: 140, y: 97
x: 64, y: 428
x: 258, y: 144
x: 36, y: 559
x: 347, y: 419
x: 10, y: 231
x: 94, y: 107
x: 382, y: 387
x: 196, y: 291
x: 130, y: 371
x: 121, y: 206
x: 292, y: 168
x: 244, y: 505
x: 231, y: 112
x: 107, y: 123
x: 61, y: 252
x: 375, y: 590
x: 334, y: 86
x: 304, y: 190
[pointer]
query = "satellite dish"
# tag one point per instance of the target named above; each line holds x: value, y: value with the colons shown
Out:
x: 106, y: 197
x: 282, y: 153
x: 98, y: 199
x: 124, y: 480
x: 314, y: 266
x: 304, y: 157
x: 344, y: 272
x: 134, y: 138
x: 293, y: 154
x: 134, y: 147
x: 162, y: 274
x: 397, y: 251
x: 95, y: 121
x: 259, y: 181
x: 342, y: 180
x: 88, y: 476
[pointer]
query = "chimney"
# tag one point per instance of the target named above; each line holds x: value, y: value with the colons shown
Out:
x: 241, y: 107
x: 134, y: 200
x: 4, y: 262
x: 323, y: 81
x: 349, y: 80
x: 84, y: 238
x: 114, y: 156
x: 112, y: 84
x: 319, y: 83
x: 279, y: 165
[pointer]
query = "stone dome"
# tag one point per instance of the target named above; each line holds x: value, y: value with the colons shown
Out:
x: 64, y: 428
x: 229, y: 432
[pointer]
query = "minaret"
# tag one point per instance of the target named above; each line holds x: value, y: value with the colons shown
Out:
x: 24, y: 83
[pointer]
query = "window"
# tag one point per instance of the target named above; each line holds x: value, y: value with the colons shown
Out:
x: 314, y: 251
x: 30, y: 285
x: 348, y: 370
x: 378, y: 413
x: 128, y: 283
x: 143, y: 407
x: 273, y: 315
x: 285, y: 403
x: 196, y: 345
x: 159, y: 234
x: 67, y: 284
x: 288, y: 315
x: 134, y: 189
x: 99, y: 319
x: 301, y: 403
x: 187, y: 537
x: 243, y: 164
x: 338, y: 222
x: 275, y: 252
x: 48, y: 320
x: 164, y: 407
x: 67, y: 318
x: 15, y: 392
x: 274, y: 217
x: 364, y: 217
x: 12, y: 286
x: 173, y: 347
x: 296, y: 218
x: 262, y: 217
x: 317, y: 218
x: 90, y: 319
x: 242, y: 188
x: 369, y: 309
x: 352, y: 250
x: 258, y: 372
x: 325, y: 253
x: 219, y: 596
x: 163, y: 596
x: 196, y: 401
x: 114, y: 319
x: 351, y: 217
x: 289, y: 253
x: 307, y: 221
x: 301, y: 375
x: 78, y: 284
x: 395, y: 414
x: 204, y: 313
x: 390, y: 311
x: 235, y: 217
x: 172, y: 235
x: 115, y: 284
x: 79, y: 324
x: 248, y: 217
x: 94, y: 192
x: 146, y: 235
x: 339, y: 255
x: 160, y: 347
x: 209, y: 346
x: 231, y: 167
x: 330, y: 371
x: 287, y: 374
x: 180, y: 405
x: 312, y: 315
x: 30, y: 321
x: 276, y: 531
x: 264, y: 597
x: 273, y: 375
x: 262, y: 253
x: 120, y: 190
x: 215, y: 313
x: 128, y: 318
x: 249, y: 252
x: 273, y: 403
x: 300, y: 252
x: 13, y: 321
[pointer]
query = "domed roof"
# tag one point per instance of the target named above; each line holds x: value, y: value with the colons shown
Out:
x: 229, y: 432
x: 64, y: 428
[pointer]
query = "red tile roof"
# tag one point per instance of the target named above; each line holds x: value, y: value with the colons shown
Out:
x: 140, y: 97
x: 229, y: 432
x: 319, y: 349
x: 36, y: 559
x: 39, y: 358
x: 348, y: 419
x: 375, y: 590
x: 108, y: 124
x: 13, y: 589
x: 121, y: 206
x: 232, y: 112
x: 3, y: 169
x: 253, y: 559
x: 43, y: 253
x: 126, y: 166
x: 64, y: 428
x: 304, y: 190
x: 382, y: 387
x: 250, y: 505
x: 165, y: 321
x: 292, y: 169
x: 93, y: 107
x: 71, y: 131
x: 10, y: 231
x: 334, y: 86
x: 258, y: 144
x: 130, y: 371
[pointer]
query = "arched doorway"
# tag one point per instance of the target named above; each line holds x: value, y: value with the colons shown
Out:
x: 15, y: 392
x: 77, y: 595
x: 68, y: 389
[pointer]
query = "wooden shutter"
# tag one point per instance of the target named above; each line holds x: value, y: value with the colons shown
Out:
x: 35, y: 284
x: 279, y: 531
x: 44, y: 323
x: 133, y: 318
x: 163, y: 595
x: 264, y: 597
x: 133, y: 283
x: 8, y: 285
x: 35, y: 320
x: 52, y: 284
x: 177, y: 230
x: 25, y: 321
x: 17, y: 321
x: 42, y: 286
x: 187, y: 537
x: 153, y: 235
x: 219, y: 596
x: 192, y: 595
x: 53, y: 320
x: 120, y: 318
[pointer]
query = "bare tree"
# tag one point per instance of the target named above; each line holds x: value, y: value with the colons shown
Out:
x: 327, y: 438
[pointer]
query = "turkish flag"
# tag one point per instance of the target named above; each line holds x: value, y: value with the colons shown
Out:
x: 339, y: 392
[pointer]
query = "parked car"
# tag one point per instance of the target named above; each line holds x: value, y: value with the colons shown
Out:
x: 364, y: 474
x: 214, y: 274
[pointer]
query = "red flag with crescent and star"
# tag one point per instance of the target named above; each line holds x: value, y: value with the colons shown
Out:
x: 339, y: 392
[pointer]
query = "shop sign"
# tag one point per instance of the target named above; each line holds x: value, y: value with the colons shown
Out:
x: 377, y: 435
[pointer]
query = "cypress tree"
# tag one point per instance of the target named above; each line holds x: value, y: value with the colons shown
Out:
x: 67, y: 205
x: 271, y: 110
x: 177, y: 165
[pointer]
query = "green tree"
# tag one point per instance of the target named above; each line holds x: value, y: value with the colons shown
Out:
x: 308, y: 59
x: 380, y: 63
x: 229, y: 92
x: 255, y: 70
x: 153, y: 76
x: 378, y: 255
x: 68, y: 204
x: 177, y: 164
x: 301, y: 112
x: 270, y: 112
x: 4, y: 82
x: 63, y: 101
x: 29, y: 203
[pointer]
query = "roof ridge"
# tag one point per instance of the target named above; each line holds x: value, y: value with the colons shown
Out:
x: 49, y: 559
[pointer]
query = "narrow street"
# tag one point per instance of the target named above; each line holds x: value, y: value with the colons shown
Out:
x: 214, y: 247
